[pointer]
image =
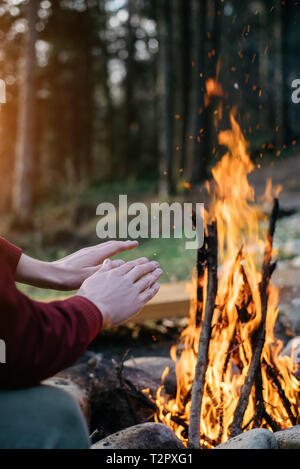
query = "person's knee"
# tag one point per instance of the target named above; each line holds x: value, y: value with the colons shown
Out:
x: 66, y: 424
x: 43, y: 417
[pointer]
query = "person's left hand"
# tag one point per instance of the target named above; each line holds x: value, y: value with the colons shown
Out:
x: 70, y: 272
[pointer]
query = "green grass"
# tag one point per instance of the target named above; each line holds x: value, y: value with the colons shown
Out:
x: 110, y: 191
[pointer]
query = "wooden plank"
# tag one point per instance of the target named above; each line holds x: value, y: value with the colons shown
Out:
x: 172, y: 301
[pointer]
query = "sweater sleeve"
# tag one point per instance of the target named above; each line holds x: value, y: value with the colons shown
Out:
x: 40, y: 339
x: 10, y: 253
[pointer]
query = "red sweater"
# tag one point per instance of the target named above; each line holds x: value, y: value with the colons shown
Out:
x: 40, y: 338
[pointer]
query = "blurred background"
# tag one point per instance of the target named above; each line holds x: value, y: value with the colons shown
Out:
x: 110, y: 97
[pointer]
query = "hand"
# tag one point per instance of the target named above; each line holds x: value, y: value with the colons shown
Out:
x: 71, y: 271
x: 121, y: 292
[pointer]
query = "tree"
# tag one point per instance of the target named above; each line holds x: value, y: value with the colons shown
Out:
x: 168, y: 97
x: 198, y: 169
x: 25, y: 150
x: 211, y: 110
x: 185, y: 62
x: 276, y: 108
x: 130, y: 114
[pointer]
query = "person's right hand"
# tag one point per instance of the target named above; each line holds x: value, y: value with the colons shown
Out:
x: 121, y: 291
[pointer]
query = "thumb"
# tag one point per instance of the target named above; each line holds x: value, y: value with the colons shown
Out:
x: 107, y: 265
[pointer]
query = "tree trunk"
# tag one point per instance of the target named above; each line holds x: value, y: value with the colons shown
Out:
x: 199, y: 163
x: 130, y: 114
x: 277, y: 117
x: 209, y: 140
x: 285, y: 12
x: 185, y: 47
x: 168, y: 103
x: 23, y: 184
x: 263, y: 65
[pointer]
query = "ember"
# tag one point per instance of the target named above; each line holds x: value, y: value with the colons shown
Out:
x: 230, y: 374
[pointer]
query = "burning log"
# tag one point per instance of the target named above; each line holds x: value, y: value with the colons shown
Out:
x: 211, y: 242
x: 274, y: 376
x: 267, y: 271
x: 201, y: 267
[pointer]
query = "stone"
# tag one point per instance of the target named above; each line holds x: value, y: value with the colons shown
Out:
x: 292, y: 247
x: 288, y: 439
x: 296, y: 262
x: 143, y: 436
x: 155, y: 366
x: 259, y: 438
x: 292, y: 349
x: 80, y: 395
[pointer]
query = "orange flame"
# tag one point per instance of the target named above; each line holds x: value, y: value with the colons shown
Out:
x: 242, y: 233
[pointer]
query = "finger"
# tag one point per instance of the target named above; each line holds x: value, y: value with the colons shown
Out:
x: 107, y: 265
x: 147, y: 295
x: 117, y: 263
x: 114, y: 247
x: 112, y: 264
x: 149, y: 280
x: 124, y: 269
x: 140, y: 270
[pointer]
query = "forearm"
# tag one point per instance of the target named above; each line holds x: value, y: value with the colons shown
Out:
x: 40, y: 274
x: 32, y: 271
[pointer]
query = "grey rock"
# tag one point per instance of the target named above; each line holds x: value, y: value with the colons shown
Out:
x: 75, y: 391
x: 293, y: 349
x: 292, y: 247
x: 288, y: 439
x: 296, y: 262
x: 259, y: 438
x: 155, y: 366
x: 143, y: 436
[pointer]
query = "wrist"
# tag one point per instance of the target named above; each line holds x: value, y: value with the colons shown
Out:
x: 39, y: 273
x: 106, y: 320
x: 57, y: 276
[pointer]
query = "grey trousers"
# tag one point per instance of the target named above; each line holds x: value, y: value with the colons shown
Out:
x: 43, y: 417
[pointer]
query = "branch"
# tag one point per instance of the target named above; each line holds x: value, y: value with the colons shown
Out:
x: 201, y: 267
x: 286, y: 403
x: 267, y: 270
x: 202, y: 358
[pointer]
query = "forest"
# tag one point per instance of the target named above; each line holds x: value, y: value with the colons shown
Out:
x: 105, y: 97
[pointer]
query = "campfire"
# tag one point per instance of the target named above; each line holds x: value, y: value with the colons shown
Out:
x: 230, y: 374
